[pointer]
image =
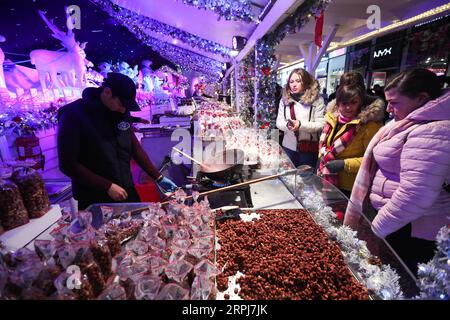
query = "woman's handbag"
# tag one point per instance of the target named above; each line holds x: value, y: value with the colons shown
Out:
x: 304, y: 146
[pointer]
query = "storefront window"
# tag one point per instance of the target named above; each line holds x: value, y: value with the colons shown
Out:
x: 429, y: 46
x: 321, y: 73
x: 336, y: 67
x: 359, y: 60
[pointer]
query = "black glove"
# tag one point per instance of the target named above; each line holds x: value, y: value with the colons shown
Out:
x: 335, y: 166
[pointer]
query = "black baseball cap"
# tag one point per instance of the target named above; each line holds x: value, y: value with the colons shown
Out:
x: 124, y: 88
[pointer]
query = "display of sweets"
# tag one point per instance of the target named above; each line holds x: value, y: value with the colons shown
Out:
x: 33, y: 191
x: 283, y: 254
x: 12, y: 209
x: 160, y: 254
x: 258, y: 148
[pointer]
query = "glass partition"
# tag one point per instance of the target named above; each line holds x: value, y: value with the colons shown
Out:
x: 371, y: 259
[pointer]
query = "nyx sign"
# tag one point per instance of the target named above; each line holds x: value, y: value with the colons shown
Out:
x: 382, y: 52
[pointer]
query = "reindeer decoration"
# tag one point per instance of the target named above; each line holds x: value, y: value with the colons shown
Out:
x: 70, y: 64
x: 2, y: 59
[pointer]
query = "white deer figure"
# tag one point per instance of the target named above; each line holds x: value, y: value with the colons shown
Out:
x: 2, y: 59
x: 71, y: 64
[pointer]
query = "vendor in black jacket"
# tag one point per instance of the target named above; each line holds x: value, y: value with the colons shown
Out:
x: 96, y: 143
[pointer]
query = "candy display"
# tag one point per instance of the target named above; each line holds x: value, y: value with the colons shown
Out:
x: 161, y: 254
x: 215, y: 119
x: 12, y: 210
x: 33, y: 191
x: 284, y: 255
x: 258, y: 148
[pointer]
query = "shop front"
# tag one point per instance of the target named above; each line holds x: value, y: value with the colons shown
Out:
x: 336, y: 67
x: 429, y: 46
x: 321, y: 73
x: 386, y: 61
x: 358, y: 58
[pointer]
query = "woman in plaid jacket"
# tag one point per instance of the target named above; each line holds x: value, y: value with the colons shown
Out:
x: 350, y: 123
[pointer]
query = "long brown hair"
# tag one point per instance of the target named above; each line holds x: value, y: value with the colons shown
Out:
x: 307, y: 81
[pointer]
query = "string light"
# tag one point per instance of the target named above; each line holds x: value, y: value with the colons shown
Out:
x: 164, y: 30
x: 399, y: 24
x: 230, y: 10
x: 391, y: 27
x: 186, y: 60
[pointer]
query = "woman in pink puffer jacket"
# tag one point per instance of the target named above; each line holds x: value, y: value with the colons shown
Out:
x: 412, y: 166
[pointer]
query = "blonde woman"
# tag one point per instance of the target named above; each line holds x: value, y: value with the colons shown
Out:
x: 301, y: 118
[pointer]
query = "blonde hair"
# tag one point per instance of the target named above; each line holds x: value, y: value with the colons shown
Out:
x: 305, y: 76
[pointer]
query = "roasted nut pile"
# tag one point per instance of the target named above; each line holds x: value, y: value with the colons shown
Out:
x: 284, y: 255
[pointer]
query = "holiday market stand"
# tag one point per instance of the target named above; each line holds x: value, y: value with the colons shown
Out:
x: 289, y: 214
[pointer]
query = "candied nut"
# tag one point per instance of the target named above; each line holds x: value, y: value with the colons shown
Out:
x: 284, y: 255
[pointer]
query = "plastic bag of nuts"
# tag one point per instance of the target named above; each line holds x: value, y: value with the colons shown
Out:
x: 33, y: 191
x: 12, y: 209
x: 102, y: 255
x: 68, y: 289
x: 85, y: 260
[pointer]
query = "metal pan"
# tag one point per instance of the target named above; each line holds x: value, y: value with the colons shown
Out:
x: 224, y: 165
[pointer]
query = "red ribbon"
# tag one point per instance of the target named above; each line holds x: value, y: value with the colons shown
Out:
x: 318, y: 30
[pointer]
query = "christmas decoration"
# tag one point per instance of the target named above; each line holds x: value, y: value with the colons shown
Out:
x: 186, y: 60
x: 246, y: 89
x: 166, y: 30
x: 265, y: 84
x: 233, y: 90
x: 70, y: 64
x: 434, y: 277
x: 318, y: 30
x: 230, y: 10
x: 182, y: 83
x: 18, y: 122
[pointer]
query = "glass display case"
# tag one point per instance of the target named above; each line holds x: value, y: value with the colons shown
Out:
x: 370, y: 258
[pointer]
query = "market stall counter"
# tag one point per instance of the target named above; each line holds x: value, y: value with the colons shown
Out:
x: 289, y: 246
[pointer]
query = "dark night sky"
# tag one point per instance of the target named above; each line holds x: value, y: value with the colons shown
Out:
x: 24, y: 30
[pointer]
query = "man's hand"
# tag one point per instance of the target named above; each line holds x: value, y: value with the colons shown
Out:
x: 117, y: 193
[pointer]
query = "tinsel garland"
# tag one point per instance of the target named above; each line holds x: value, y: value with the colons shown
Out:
x: 228, y: 9
x: 265, y: 85
x: 186, y: 60
x: 434, y: 276
x: 233, y: 89
x: 381, y: 281
x: 164, y: 29
x: 265, y: 60
x: 246, y: 83
x: 18, y: 122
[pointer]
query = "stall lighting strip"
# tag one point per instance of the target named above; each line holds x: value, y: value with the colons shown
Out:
x: 397, y: 25
x: 400, y: 24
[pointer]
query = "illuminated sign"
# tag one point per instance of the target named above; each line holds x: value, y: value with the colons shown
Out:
x: 382, y: 53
